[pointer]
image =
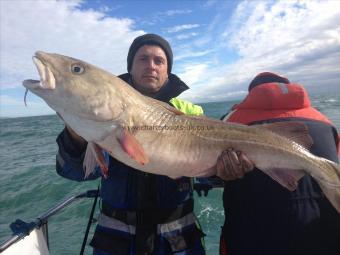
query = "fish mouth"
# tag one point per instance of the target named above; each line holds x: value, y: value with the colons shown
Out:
x: 47, y: 79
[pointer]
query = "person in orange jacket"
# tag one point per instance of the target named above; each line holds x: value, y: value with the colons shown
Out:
x: 262, y: 217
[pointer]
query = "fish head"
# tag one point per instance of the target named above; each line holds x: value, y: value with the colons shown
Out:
x: 74, y: 87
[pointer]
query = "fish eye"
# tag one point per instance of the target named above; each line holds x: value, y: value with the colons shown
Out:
x: 77, y: 69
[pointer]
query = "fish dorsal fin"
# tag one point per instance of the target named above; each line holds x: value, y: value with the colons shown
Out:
x: 170, y: 108
x: 207, y: 120
x: 295, y: 131
x: 164, y: 105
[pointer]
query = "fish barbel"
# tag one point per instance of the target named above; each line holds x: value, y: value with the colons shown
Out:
x: 154, y: 137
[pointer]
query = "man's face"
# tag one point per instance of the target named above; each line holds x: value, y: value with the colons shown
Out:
x: 149, y: 69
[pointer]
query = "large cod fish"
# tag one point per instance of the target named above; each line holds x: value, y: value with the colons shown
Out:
x: 153, y: 137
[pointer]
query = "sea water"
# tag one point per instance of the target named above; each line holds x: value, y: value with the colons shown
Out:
x: 29, y: 184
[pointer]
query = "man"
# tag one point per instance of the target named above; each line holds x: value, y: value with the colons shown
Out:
x: 262, y: 217
x: 141, y: 213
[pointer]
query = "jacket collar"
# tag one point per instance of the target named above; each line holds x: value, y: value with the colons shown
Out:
x: 173, y: 87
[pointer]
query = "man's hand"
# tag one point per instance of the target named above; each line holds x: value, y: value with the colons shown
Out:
x: 232, y: 165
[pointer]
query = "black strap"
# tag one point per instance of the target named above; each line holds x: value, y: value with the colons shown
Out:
x: 111, y: 243
x: 145, y: 239
x: 148, y: 217
x: 146, y: 191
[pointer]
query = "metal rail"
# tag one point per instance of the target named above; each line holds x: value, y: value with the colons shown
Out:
x: 21, y: 229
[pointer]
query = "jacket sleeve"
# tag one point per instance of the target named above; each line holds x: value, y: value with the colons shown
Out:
x: 69, y: 160
x: 186, y: 107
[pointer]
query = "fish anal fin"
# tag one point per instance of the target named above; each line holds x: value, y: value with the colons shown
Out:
x: 132, y: 147
x: 295, y: 131
x: 288, y: 178
x: 94, y: 156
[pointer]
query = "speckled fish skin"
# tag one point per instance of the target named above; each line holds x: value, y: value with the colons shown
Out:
x: 100, y: 107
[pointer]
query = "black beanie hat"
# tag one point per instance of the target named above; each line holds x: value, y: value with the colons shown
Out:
x: 149, y: 39
x: 267, y: 77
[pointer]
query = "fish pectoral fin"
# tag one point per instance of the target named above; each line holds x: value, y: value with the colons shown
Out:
x: 94, y: 156
x: 132, y: 147
x: 295, y: 131
x: 288, y: 178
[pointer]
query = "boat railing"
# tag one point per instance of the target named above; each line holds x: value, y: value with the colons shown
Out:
x: 21, y: 228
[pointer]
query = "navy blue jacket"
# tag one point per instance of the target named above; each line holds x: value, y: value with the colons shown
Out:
x: 127, y: 190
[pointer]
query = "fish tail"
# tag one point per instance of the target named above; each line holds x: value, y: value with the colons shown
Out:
x: 330, y: 182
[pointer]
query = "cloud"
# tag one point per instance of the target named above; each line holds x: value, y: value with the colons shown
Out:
x: 61, y: 27
x: 158, y: 17
x: 298, y: 39
x: 179, y: 28
x: 286, y: 26
x: 176, y: 12
x: 188, y: 53
x: 182, y: 28
x: 209, y: 3
x: 192, y: 73
x: 186, y: 36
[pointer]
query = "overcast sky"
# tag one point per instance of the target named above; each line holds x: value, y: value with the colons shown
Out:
x: 219, y: 46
